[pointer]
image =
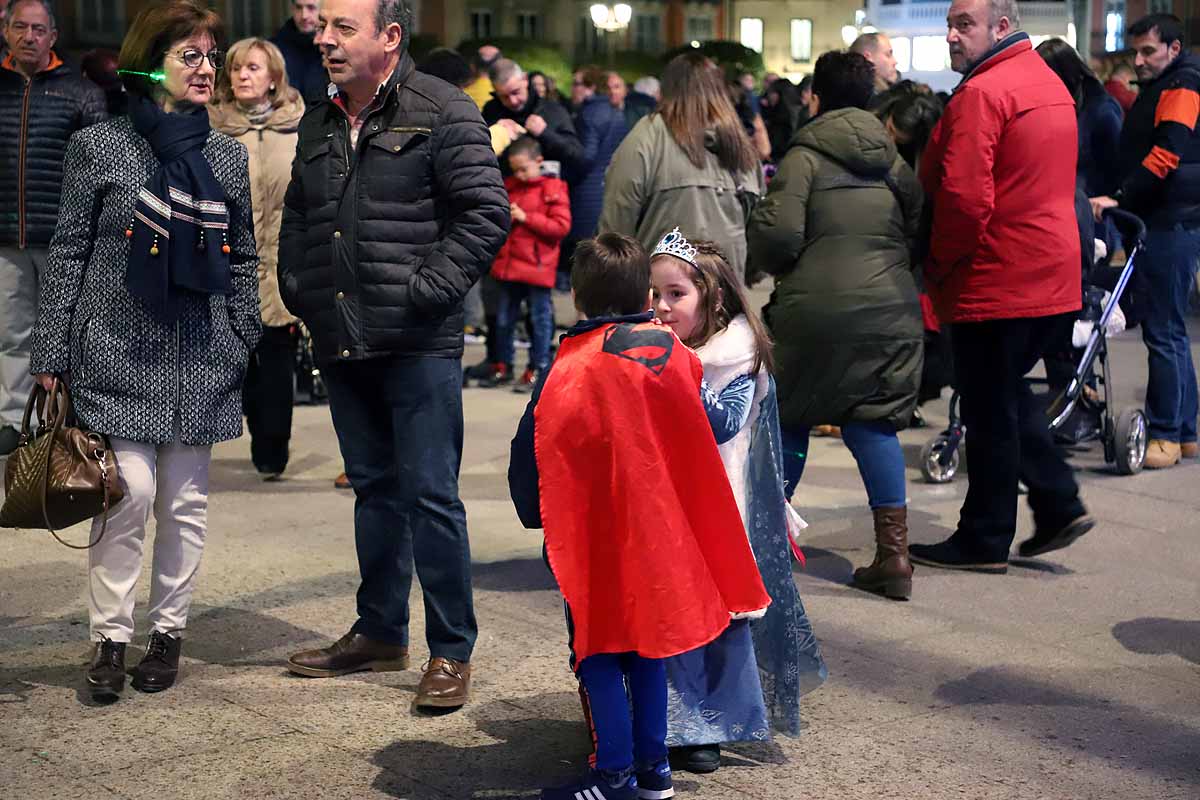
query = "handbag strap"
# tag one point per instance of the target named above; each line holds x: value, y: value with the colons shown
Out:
x: 60, y: 393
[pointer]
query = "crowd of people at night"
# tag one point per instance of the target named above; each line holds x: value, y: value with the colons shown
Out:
x: 183, y: 217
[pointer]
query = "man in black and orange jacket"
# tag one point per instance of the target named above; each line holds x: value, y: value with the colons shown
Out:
x: 1160, y: 146
x: 42, y: 102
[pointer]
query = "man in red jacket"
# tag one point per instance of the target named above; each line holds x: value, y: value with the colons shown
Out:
x: 1004, y: 272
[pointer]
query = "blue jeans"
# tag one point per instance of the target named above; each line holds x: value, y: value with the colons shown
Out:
x: 1168, y: 265
x: 541, y: 310
x: 399, y: 423
x: 876, y: 450
x: 624, y: 740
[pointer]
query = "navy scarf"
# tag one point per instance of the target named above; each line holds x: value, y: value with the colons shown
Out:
x: 180, y: 224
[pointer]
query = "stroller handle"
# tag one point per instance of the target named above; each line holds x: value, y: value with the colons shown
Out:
x: 1127, y: 222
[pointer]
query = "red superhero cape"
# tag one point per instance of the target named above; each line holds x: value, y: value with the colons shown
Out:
x: 642, y: 529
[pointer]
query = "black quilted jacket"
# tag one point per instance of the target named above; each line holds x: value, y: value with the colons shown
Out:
x: 380, y: 243
x: 36, y: 119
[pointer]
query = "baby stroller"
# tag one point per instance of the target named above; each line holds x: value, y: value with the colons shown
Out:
x: 1124, y: 437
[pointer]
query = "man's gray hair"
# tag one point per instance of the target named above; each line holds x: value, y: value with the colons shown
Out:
x: 1004, y: 8
x: 647, y: 85
x: 398, y: 12
x: 867, y: 43
x: 46, y: 4
x: 504, y: 71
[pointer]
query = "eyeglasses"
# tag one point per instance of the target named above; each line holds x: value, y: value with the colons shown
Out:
x: 192, y: 58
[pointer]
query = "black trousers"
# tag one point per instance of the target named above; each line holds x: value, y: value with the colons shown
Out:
x: 399, y: 422
x: 267, y: 398
x: 1008, y: 435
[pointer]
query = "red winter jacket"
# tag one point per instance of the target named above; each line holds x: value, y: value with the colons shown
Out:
x: 1000, y: 170
x: 531, y: 253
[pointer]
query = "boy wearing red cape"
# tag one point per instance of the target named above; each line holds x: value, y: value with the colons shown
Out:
x: 642, y: 530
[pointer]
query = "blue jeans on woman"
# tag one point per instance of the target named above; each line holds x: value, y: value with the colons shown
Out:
x: 876, y: 450
x: 1168, y: 265
x: 541, y: 312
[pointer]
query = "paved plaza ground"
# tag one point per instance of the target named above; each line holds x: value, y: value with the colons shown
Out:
x: 1074, y: 676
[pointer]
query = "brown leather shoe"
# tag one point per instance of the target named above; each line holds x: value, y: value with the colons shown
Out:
x: 342, y: 482
x: 890, y: 574
x: 351, y: 653
x: 1189, y: 449
x: 1161, y: 454
x: 445, y: 684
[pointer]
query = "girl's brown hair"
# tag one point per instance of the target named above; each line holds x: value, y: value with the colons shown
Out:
x: 696, y: 103
x: 722, y: 298
x: 154, y: 30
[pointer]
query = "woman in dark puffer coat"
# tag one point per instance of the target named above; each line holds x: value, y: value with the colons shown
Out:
x: 836, y: 230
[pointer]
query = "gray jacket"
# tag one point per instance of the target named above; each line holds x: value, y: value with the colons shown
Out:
x: 133, y: 375
x: 651, y: 187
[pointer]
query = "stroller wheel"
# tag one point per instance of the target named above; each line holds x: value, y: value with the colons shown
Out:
x: 938, y: 463
x: 1129, y: 441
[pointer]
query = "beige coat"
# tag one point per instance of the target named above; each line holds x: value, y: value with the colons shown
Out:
x: 271, y: 146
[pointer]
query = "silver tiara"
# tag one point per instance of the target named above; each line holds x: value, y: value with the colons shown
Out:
x: 674, y: 244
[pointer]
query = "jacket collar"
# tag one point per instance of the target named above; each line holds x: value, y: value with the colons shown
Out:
x: 1009, y: 47
x: 531, y: 105
x: 1182, y: 61
x: 10, y: 64
x: 592, y: 323
x: 292, y: 34
x: 397, y: 79
x: 230, y: 119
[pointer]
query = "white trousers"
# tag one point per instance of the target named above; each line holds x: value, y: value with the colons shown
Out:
x: 172, y: 481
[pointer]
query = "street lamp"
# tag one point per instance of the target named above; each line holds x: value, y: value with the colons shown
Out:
x: 611, y: 18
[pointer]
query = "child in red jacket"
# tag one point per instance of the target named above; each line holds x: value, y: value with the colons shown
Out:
x: 525, y: 266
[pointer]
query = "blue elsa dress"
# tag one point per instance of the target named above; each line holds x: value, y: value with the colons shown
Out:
x: 749, y: 681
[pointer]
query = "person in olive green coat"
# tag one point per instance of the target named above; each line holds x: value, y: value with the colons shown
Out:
x: 688, y: 165
x: 836, y: 229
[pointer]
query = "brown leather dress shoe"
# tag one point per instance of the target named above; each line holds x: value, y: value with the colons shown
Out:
x: 342, y: 482
x: 445, y: 684
x: 351, y: 653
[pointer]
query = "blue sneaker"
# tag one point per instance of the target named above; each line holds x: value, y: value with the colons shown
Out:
x: 654, y: 783
x: 596, y: 786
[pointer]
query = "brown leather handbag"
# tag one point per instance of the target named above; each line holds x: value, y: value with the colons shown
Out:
x: 59, y: 475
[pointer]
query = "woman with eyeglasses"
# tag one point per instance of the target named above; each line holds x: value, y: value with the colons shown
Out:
x: 149, y: 312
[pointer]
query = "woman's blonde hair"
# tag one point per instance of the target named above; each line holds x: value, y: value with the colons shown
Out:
x: 283, y: 93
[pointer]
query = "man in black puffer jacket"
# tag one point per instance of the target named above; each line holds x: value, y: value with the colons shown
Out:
x: 42, y: 102
x: 545, y: 120
x: 395, y: 209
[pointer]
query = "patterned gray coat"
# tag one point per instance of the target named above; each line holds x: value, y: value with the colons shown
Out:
x: 133, y: 375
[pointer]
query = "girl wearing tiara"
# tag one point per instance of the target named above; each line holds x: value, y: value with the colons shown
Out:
x: 750, y: 680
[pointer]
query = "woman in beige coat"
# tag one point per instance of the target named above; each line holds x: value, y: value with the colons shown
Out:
x: 255, y: 105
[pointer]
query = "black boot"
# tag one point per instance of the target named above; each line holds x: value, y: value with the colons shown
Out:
x: 699, y: 759
x: 160, y: 666
x: 106, y: 673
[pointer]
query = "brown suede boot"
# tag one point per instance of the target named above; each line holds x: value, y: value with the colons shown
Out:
x: 890, y: 574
